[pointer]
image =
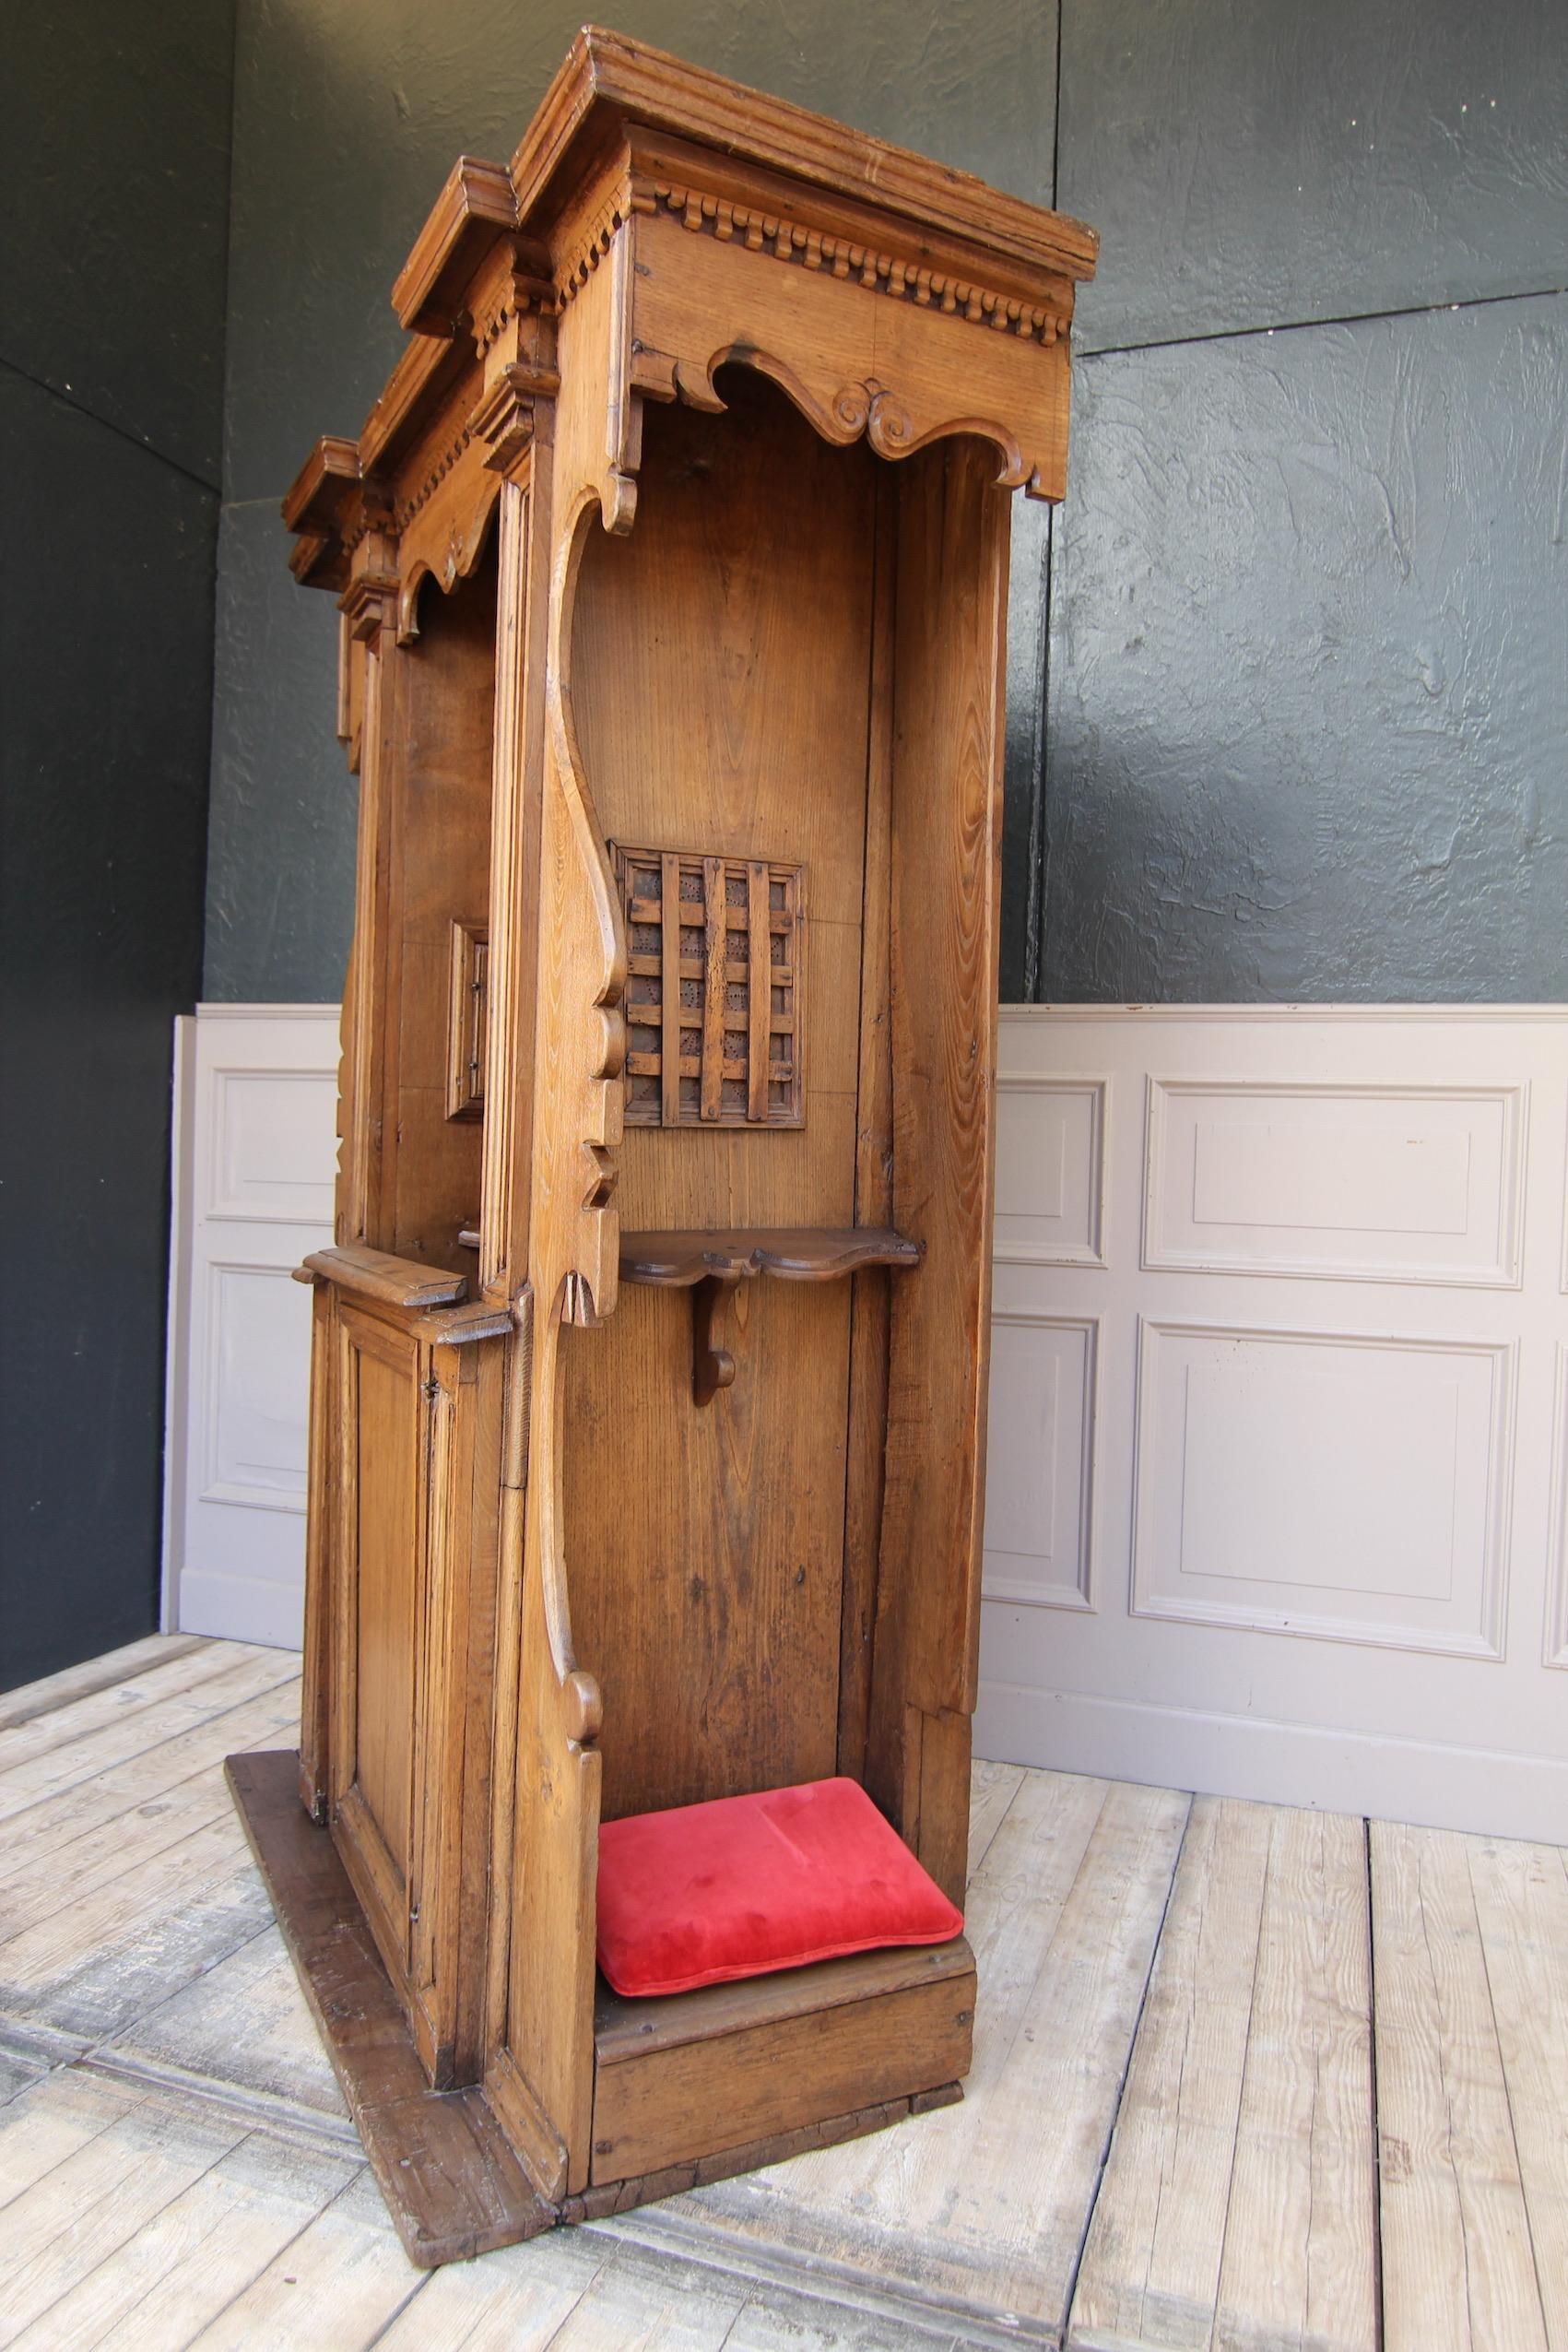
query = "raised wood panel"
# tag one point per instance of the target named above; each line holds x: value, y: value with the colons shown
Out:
x: 1322, y: 1483
x: 1367, y: 1183
x: 453, y: 1753
x: 386, y: 1564
x: 1041, y: 1451
x: 1050, y: 1170
x: 377, y: 1563
x: 439, y: 774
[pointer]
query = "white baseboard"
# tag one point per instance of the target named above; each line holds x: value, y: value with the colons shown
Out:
x: 240, y: 1608
x: 1496, y: 1793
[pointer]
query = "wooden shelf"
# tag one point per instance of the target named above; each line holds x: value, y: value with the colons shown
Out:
x: 712, y: 1262
x: 375, y: 1275
x: 731, y: 1254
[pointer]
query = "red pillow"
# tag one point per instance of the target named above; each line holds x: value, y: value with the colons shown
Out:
x: 742, y: 1886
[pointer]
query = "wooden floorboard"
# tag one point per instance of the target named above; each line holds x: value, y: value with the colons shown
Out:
x: 1300, y: 2264
x: 115, y: 1667
x: 55, y: 1824
x: 1169, y: 2142
x: 1151, y: 2273
x: 1458, y: 2266
x: 1521, y: 1897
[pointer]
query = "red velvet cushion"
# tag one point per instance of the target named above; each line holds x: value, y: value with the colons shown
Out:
x: 744, y: 1884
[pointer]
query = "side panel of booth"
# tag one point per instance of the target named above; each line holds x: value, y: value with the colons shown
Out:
x: 400, y: 1627
x: 947, y: 704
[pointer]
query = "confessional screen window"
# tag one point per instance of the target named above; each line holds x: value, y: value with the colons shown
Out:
x: 713, y: 1001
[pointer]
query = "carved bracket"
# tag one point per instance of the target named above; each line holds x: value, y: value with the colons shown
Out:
x: 714, y: 1264
x: 503, y: 420
x: 712, y: 1366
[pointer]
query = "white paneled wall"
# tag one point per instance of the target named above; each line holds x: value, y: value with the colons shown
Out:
x: 1278, y: 1494
x: 1278, y: 1503
x: 255, y: 1097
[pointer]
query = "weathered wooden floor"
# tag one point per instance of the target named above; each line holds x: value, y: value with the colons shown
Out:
x: 1244, y: 2078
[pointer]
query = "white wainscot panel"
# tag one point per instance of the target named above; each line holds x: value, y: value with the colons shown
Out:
x: 1557, y: 1576
x: 254, y: 1408
x: 1050, y: 1170
x: 1372, y: 1183
x: 1330, y: 1484
x: 1039, y: 1452
x: 273, y: 1146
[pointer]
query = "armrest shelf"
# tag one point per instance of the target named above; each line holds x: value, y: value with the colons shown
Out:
x: 391, y: 1282
x: 712, y: 1263
x: 794, y: 1253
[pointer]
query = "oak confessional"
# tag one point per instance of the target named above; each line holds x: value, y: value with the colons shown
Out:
x: 648, y: 1386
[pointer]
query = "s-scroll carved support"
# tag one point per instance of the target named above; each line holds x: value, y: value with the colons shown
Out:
x: 712, y: 1366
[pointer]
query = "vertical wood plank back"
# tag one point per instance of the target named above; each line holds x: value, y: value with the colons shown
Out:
x: 946, y: 847
x: 713, y: 1560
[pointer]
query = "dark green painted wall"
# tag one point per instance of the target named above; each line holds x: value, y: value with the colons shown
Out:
x: 1301, y: 631
x: 1308, y: 641
x: 347, y: 120
x: 114, y: 132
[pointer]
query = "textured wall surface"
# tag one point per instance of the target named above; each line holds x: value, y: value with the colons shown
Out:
x: 1309, y: 694
x: 1299, y: 628
x: 115, y: 129
x: 113, y: 179
x: 346, y: 120
x: 1250, y: 162
x: 1308, y: 665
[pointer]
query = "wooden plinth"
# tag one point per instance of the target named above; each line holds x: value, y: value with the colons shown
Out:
x: 453, y: 2184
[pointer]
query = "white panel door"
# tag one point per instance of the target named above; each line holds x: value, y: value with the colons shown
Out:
x: 255, y: 1112
x: 1277, y: 1492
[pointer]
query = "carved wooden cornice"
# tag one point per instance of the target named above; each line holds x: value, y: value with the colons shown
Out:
x: 475, y: 202
x: 588, y: 249
x: 629, y: 148
x: 405, y: 509
x: 906, y: 278
x: 518, y: 288
x: 608, y: 78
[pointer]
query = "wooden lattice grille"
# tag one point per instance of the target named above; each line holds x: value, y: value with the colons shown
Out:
x: 713, y: 993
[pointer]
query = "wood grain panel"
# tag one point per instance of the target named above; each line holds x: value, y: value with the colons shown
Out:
x: 439, y: 777
x: 948, y: 691
x: 694, y: 2098
x: 711, y: 1560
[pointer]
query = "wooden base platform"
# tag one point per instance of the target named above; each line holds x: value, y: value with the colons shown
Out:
x: 453, y: 2184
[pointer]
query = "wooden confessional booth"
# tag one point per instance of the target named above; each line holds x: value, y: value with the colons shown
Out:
x: 648, y: 1390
